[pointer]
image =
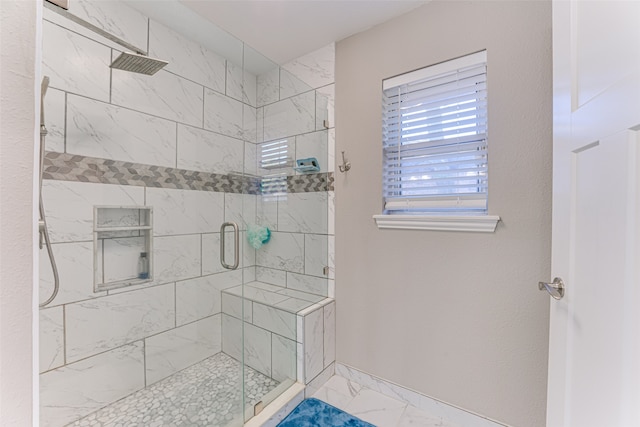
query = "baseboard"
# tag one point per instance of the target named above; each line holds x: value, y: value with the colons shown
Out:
x: 449, y: 412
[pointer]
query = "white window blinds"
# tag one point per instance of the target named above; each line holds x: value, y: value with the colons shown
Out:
x: 435, y: 138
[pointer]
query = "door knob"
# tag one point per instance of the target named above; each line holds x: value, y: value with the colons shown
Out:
x: 555, y: 288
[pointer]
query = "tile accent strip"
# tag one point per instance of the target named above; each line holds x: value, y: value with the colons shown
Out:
x: 70, y: 167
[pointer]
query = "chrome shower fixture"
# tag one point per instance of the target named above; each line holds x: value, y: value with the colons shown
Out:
x: 138, y: 63
x: 136, y: 60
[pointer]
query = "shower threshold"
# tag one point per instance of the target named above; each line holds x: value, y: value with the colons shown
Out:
x: 205, y: 394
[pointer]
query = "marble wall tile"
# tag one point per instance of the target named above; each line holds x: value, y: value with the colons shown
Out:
x: 54, y: 119
x: 176, y: 258
x: 174, y: 350
x: 331, y: 212
x: 260, y: 124
x: 313, y: 344
x: 303, y: 213
x: 320, y: 380
x: 164, y: 94
x: 75, y: 390
x: 256, y: 294
x: 266, y: 286
x: 269, y: 275
x: 120, y: 258
x: 51, y: 338
x: 232, y: 306
x: 207, y: 151
x: 267, y: 211
x: 247, y: 251
x: 250, y: 158
x: 241, y: 85
x: 186, y: 58
x: 313, y: 145
x: 329, y: 333
x: 250, y: 89
x: 315, y: 254
x: 272, y: 319
x: 201, y: 297
x: 257, y: 348
x: 211, y: 254
x: 115, y: 18
x: 185, y: 211
x: 289, y: 117
x: 95, y: 326
x: 283, y: 364
x: 331, y: 151
x: 69, y: 206
x: 97, y: 129
x: 75, y: 270
x: 249, y: 123
x: 302, y: 296
x: 331, y: 241
x: 268, y: 87
x: 325, y: 106
x: 285, y: 251
x: 290, y: 85
x: 257, y: 343
x: 311, y: 284
x: 317, y: 68
x: 249, y: 274
x: 120, y: 217
x: 300, y: 362
x: 240, y: 208
x: 75, y: 63
x: 223, y: 114
x: 232, y: 336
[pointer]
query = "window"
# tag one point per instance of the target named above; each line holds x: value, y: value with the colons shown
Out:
x: 435, y: 143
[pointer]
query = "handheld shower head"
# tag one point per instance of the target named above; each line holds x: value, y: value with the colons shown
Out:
x: 43, y: 91
x: 45, y: 85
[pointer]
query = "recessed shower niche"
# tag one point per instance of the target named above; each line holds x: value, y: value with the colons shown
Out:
x: 122, y: 246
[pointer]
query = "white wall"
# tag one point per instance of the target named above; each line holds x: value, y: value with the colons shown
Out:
x: 454, y: 315
x: 17, y: 132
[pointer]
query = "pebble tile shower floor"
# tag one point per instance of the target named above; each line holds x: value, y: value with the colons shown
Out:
x: 205, y: 394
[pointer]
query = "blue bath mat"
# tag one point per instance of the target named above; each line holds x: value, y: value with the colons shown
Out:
x: 315, y: 413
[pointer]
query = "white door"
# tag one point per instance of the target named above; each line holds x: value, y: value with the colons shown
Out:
x: 594, y: 375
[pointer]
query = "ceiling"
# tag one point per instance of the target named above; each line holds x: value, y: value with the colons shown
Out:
x: 283, y: 30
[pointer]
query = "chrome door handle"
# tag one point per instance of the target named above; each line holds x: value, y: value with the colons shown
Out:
x: 236, y: 250
x: 555, y: 288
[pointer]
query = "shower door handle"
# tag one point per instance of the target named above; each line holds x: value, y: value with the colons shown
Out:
x: 236, y: 246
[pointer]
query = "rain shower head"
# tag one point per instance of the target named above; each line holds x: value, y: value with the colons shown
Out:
x: 137, y: 63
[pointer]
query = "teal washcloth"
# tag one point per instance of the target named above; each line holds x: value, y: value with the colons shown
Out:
x: 258, y: 235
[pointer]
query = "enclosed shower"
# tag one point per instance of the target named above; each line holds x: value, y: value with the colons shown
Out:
x: 186, y: 271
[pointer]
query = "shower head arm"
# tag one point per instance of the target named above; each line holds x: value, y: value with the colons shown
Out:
x: 62, y: 12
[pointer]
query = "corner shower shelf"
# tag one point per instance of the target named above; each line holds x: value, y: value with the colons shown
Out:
x: 120, y: 235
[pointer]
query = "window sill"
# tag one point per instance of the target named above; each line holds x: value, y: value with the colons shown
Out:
x: 477, y: 223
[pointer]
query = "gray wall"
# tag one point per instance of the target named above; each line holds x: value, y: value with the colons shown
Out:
x: 18, y: 21
x: 456, y: 316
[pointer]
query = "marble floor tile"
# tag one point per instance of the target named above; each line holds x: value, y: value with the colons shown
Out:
x: 376, y: 408
x: 206, y: 394
x: 332, y: 397
x: 343, y: 386
x: 413, y: 416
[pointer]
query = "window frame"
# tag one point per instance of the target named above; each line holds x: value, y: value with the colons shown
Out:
x: 429, y: 211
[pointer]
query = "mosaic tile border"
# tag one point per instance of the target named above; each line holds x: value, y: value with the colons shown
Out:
x: 71, y: 167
